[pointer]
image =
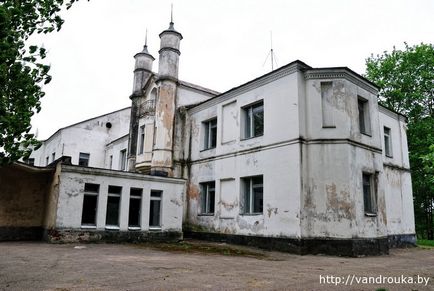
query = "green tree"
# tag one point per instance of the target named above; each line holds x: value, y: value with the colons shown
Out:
x: 406, y: 81
x: 22, y: 71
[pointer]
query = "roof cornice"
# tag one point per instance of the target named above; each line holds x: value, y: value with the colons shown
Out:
x: 341, y: 73
x: 293, y: 67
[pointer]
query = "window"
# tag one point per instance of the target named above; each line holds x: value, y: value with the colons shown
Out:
x: 83, y: 159
x: 31, y: 161
x: 254, y: 120
x: 387, y: 142
x: 53, y: 157
x: 135, y: 207
x: 123, y: 160
x: 369, y: 195
x: 113, y: 203
x: 210, y: 134
x: 47, y: 161
x: 207, y: 197
x: 142, y: 140
x: 90, y: 204
x: 111, y: 162
x: 155, y: 209
x: 253, y: 194
x: 364, y: 121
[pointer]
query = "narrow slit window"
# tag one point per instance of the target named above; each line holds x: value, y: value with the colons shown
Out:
x: 142, y: 140
x: 123, y: 160
x: 364, y: 121
x: 326, y: 104
x: 369, y: 194
x: 387, y: 142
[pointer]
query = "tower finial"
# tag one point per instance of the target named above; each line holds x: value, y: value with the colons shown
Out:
x: 171, y: 13
x: 146, y: 37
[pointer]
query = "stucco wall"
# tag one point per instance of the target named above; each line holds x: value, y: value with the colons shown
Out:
x: 71, y: 191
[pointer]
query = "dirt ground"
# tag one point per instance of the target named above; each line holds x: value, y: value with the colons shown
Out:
x: 198, y: 265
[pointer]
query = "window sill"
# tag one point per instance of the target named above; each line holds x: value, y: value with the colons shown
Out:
x: 88, y: 226
x: 247, y: 138
x: 155, y: 228
x: 204, y: 150
x: 251, y: 214
x: 367, y: 134
x: 205, y: 214
x: 112, y: 227
x: 329, y: 126
x: 134, y: 228
x: 370, y: 214
x: 389, y: 156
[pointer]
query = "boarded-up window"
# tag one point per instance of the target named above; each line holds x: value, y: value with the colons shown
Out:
x: 228, y: 198
x: 327, y: 104
x: 229, y: 122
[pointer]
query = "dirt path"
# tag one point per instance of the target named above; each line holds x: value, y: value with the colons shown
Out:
x: 197, y: 265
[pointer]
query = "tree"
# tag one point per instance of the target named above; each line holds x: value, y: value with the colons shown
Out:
x: 22, y: 72
x: 406, y: 81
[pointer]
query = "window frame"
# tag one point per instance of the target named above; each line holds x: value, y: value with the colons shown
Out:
x: 93, y: 194
x: 80, y: 158
x: 247, y: 184
x: 135, y: 197
x: 156, y: 198
x: 248, y: 129
x: 387, y: 138
x: 205, y: 201
x: 142, y: 139
x: 116, y: 195
x: 123, y: 160
x: 364, y: 118
x: 210, y: 128
x: 370, y: 200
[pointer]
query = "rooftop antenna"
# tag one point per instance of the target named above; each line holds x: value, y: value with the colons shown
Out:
x: 271, y: 53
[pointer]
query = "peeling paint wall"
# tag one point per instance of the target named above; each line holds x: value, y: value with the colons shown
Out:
x: 398, y: 189
x: 235, y: 158
x: 71, y: 191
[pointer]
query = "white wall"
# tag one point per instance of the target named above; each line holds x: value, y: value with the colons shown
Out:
x: 71, y: 189
x: 90, y: 136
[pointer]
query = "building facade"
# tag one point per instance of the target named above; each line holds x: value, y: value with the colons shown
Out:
x: 302, y: 159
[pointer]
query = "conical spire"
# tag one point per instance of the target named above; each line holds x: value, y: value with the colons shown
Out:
x: 171, y: 24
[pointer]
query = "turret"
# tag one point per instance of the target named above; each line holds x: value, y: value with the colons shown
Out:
x: 162, y: 159
x: 142, y: 68
x: 142, y: 73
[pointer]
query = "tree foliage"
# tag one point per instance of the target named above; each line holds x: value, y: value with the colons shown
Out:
x: 406, y: 81
x: 22, y: 71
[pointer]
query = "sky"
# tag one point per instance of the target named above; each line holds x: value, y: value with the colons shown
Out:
x: 225, y: 44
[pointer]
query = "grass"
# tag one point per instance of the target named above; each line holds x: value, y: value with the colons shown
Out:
x: 207, y: 248
x: 425, y: 243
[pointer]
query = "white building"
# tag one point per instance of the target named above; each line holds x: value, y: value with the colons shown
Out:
x: 300, y: 159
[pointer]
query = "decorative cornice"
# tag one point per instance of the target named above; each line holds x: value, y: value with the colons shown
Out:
x: 166, y: 78
x: 261, y: 81
x: 340, y: 73
x: 168, y: 48
x: 171, y: 31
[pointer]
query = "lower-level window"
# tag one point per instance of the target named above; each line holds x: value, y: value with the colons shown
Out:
x: 253, y: 194
x: 155, y: 209
x: 113, y: 205
x: 369, y: 195
x: 90, y: 204
x: 207, y: 197
x: 135, y: 206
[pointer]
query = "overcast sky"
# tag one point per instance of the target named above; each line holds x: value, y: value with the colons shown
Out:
x: 225, y: 44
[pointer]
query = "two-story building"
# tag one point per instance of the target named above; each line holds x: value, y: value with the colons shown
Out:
x: 300, y: 159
